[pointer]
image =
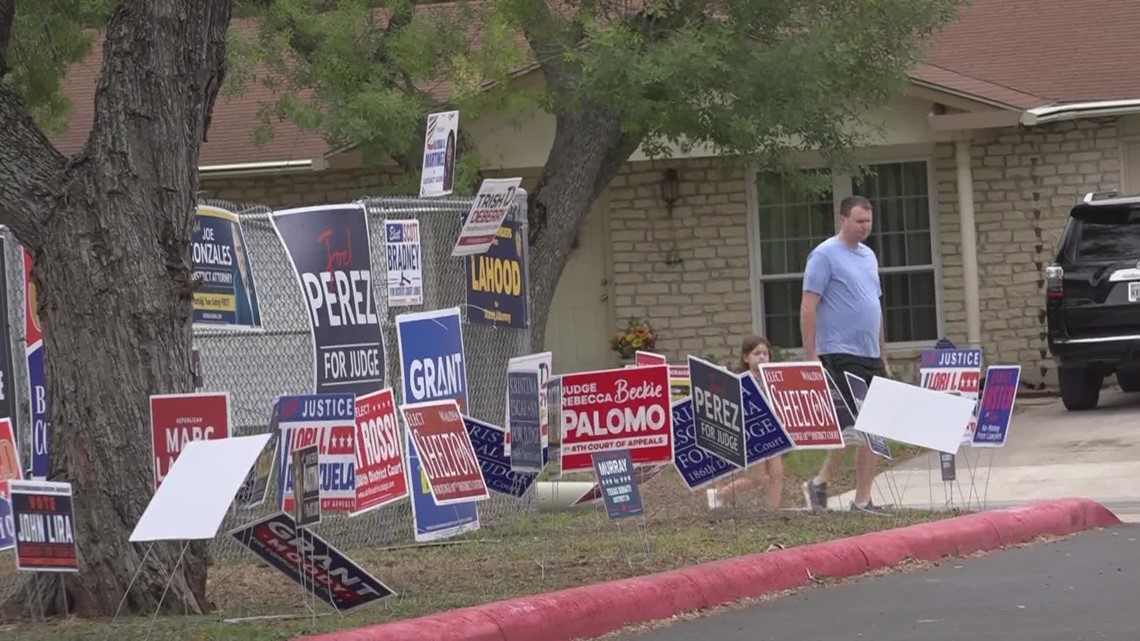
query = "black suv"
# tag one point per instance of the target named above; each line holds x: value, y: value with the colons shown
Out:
x: 1092, y: 298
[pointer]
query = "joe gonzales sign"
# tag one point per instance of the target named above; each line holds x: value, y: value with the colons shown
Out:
x: 329, y: 249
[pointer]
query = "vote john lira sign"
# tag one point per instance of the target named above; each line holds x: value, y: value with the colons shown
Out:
x: 329, y: 248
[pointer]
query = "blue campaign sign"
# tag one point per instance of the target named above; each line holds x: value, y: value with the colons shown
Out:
x: 433, y: 367
x: 718, y: 411
x: 488, y: 441
x: 328, y: 574
x: 858, y: 388
x: 619, y: 487
x: 523, y: 409
x: 497, y: 281
x: 766, y: 438
x: 328, y: 246
x: 227, y: 296
x: 996, y: 409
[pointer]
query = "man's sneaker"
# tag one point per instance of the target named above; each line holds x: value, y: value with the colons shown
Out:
x: 815, y: 494
x: 869, y: 508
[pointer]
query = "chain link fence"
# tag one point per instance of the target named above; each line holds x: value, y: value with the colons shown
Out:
x: 257, y: 367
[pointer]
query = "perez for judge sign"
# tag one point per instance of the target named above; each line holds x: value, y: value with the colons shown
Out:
x: 177, y: 419
x: 802, y: 401
x: 616, y: 409
x: 446, y: 455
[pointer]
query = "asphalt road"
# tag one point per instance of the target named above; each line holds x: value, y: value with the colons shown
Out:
x: 1080, y: 589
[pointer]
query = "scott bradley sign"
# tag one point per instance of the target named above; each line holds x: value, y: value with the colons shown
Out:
x: 329, y: 249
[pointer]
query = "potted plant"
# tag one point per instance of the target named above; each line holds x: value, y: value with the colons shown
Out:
x: 637, y: 335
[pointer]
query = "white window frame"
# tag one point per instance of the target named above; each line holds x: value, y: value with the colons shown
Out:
x: 841, y: 187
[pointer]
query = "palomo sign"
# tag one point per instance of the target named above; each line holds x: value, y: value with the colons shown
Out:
x: 618, y: 409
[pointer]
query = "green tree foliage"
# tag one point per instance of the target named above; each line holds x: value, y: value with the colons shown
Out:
x: 46, y: 38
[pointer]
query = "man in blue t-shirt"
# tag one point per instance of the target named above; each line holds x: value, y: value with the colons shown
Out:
x: 841, y: 320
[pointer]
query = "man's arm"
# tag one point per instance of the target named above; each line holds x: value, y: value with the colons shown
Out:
x: 808, y: 304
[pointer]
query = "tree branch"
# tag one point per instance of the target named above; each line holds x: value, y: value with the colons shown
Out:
x: 31, y: 170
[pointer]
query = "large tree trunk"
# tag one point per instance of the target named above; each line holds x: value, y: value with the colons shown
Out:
x: 109, y: 233
x: 588, y: 151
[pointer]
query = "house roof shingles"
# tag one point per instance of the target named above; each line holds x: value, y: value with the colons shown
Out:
x: 1019, y: 53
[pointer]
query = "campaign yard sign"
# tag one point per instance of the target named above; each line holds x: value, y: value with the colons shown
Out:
x: 718, y: 411
x: 253, y: 490
x: 617, y: 409
x: 540, y: 364
x: 954, y: 371
x: 306, y: 486
x: 310, y: 562
x: 178, y: 419
x: 441, y: 140
x: 330, y: 252
x: 329, y: 422
x: 858, y: 388
x: 619, y: 488
x: 802, y: 400
x: 8, y: 401
x: 405, y: 262
x: 7, y: 520
x: 227, y: 297
x: 495, y: 198
x: 10, y: 466
x: 446, y: 455
x: 488, y: 441
x: 44, y: 525
x: 996, y: 408
x: 523, y: 400
x: 765, y: 438
x: 497, y: 281
x: 433, y: 367
x: 380, y: 473
x: 37, y: 380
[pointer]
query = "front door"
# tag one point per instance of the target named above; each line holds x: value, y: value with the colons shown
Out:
x: 581, y: 321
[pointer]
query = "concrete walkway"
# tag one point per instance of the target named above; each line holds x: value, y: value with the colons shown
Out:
x: 1051, y: 453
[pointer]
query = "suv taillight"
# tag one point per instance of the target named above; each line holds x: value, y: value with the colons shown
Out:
x: 1054, y: 281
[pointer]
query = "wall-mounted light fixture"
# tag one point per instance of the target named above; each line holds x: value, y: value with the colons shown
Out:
x: 671, y: 193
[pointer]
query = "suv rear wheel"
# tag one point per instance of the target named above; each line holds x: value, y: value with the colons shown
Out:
x: 1080, y: 388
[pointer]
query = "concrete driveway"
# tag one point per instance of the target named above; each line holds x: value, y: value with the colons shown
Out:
x: 1051, y: 453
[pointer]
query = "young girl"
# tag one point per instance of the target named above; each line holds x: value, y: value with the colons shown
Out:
x: 753, y: 351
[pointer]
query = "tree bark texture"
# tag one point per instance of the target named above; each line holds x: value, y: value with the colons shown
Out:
x: 588, y: 151
x: 109, y: 231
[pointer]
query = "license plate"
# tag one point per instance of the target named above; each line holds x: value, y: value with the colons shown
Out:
x: 1134, y: 291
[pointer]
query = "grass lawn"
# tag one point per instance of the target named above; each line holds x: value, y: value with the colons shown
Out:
x: 525, y: 555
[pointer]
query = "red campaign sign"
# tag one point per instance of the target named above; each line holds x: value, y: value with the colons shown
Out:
x: 177, y: 419
x: 617, y: 409
x: 379, y: 461
x: 802, y: 401
x: 446, y: 454
x: 10, y: 467
x: 641, y: 358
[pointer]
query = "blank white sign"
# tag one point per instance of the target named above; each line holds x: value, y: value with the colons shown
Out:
x: 197, y: 492
x: 914, y: 415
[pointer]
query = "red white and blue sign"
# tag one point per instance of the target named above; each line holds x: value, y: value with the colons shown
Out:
x: 488, y: 441
x: 433, y: 367
x: 328, y: 574
x: 331, y: 256
x: 996, y: 408
x: 329, y: 422
x: 7, y: 520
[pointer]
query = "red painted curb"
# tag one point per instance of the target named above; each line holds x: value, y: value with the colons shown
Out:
x: 593, y: 610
